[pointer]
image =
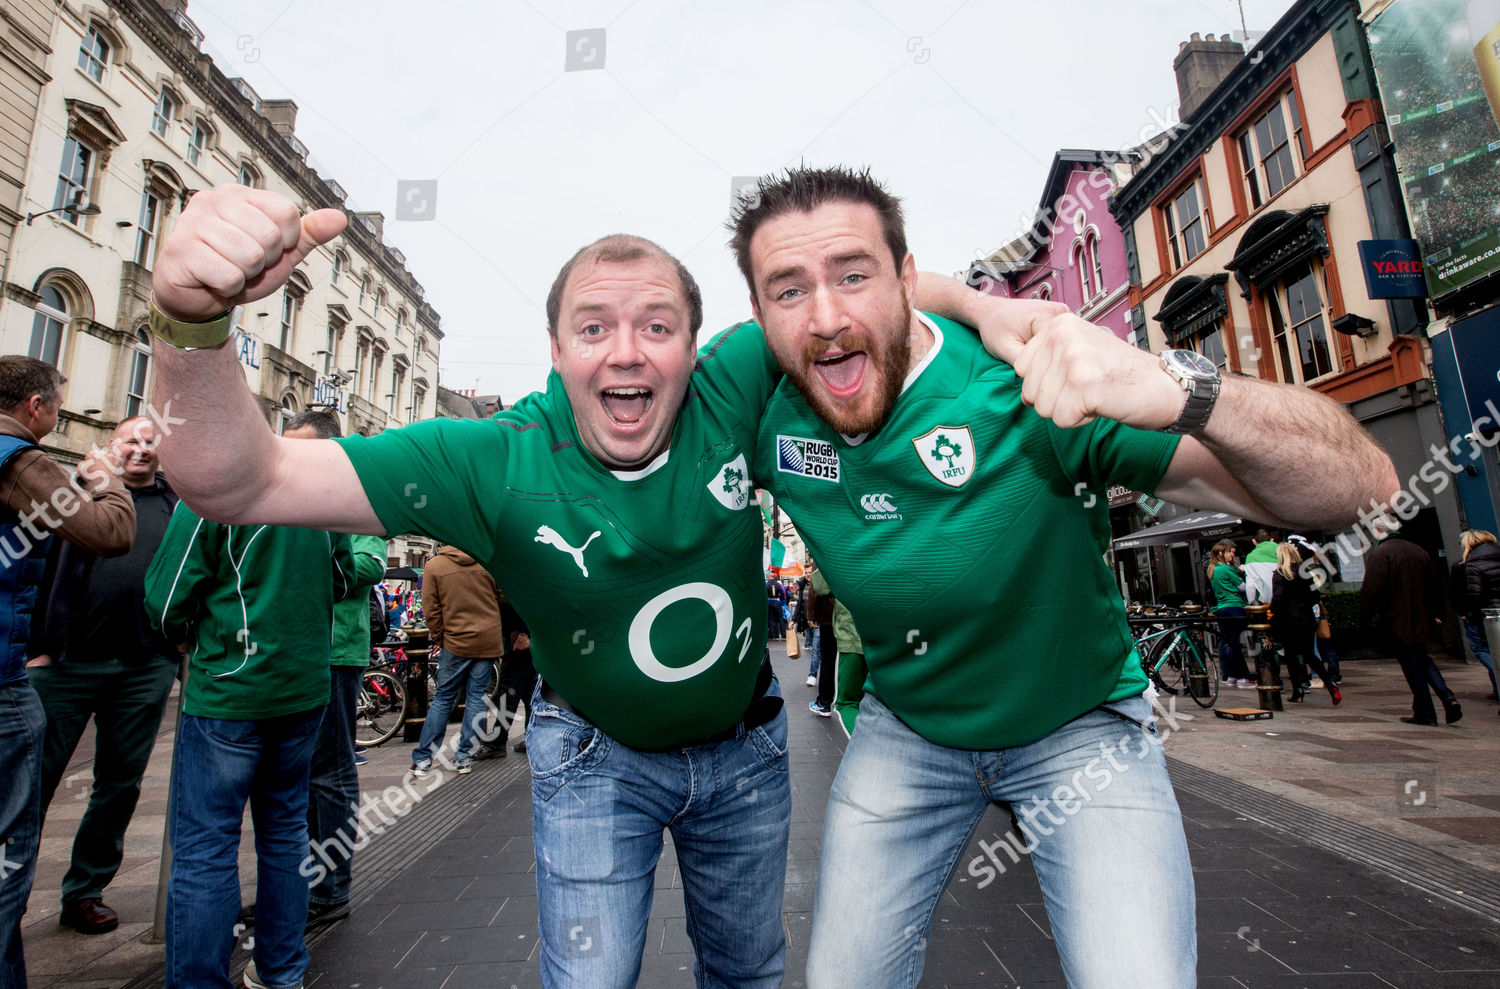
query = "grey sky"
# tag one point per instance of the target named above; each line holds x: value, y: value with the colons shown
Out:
x: 957, y: 105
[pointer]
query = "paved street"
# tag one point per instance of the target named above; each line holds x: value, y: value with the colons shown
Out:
x: 1331, y: 847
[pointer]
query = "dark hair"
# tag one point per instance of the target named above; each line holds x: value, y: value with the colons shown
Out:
x: 619, y: 248
x: 1263, y: 536
x: 22, y: 377
x: 325, y: 424
x: 802, y: 190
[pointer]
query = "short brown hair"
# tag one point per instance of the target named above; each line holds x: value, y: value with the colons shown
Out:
x: 22, y: 377
x: 802, y: 190
x: 324, y: 423
x: 621, y: 248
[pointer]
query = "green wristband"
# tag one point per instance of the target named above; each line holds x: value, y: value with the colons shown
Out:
x: 191, y: 336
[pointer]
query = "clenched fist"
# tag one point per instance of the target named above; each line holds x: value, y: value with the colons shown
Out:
x: 1074, y: 372
x: 234, y: 245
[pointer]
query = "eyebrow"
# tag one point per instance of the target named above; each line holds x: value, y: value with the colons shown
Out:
x: 791, y: 271
x: 595, y: 307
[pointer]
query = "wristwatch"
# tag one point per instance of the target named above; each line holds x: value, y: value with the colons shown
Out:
x: 1200, y: 378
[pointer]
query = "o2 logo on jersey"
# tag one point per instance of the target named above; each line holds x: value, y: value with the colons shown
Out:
x: 810, y: 458
x: 717, y: 599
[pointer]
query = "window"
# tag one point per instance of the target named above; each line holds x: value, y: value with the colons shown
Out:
x: 73, y: 176
x: 340, y: 265
x: 291, y: 304
x: 140, y: 368
x: 400, y: 319
x: 93, y: 54
x: 364, y: 288
x: 145, y: 231
x: 1211, y: 345
x: 202, y: 134
x: 165, y: 113
x: 379, y: 301
x: 1266, y: 150
x: 1187, y: 224
x: 335, y: 330
x: 397, y: 378
x: 1096, y: 267
x: 418, y: 396
x: 361, y: 351
x: 47, y: 326
x: 1078, y: 261
x: 1299, y: 324
x: 375, y: 362
x: 248, y: 176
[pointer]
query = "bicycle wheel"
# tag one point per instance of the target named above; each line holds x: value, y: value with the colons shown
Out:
x: 1202, y: 669
x: 381, y: 710
x: 1167, y: 667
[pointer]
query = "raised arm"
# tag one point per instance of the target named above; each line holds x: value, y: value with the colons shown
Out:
x: 1246, y: 460
x: 234, y: 245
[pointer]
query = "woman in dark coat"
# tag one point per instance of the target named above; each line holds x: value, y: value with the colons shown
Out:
x: 1293, y: 624
x: 1475, y: 587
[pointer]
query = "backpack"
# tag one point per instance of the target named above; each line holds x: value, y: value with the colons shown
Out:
x: 380, y: 629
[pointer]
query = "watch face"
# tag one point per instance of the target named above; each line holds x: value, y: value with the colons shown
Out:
x: 1192, y: 363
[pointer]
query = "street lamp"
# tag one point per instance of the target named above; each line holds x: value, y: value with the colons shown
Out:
x: 78, y: 207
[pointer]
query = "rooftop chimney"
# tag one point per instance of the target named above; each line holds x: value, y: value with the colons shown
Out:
x: 1201, y: 64
x: 281, y: 113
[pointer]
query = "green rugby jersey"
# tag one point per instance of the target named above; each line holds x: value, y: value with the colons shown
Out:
x: 967, y: 538
x: 642, y: 589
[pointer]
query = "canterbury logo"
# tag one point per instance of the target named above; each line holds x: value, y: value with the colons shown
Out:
x: 547, y: 534
x: 877, y: 503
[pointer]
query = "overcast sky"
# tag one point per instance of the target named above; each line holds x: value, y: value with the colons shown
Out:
x: 958, y: 106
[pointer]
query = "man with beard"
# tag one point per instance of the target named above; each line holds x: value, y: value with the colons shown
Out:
x: 996, y: 674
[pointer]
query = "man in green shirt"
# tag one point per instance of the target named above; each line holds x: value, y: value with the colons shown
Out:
x: 1000, y: 664
x: 333, y: 802
x: 255, y: 605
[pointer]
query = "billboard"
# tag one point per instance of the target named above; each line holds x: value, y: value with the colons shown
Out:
x: 1432, y: 59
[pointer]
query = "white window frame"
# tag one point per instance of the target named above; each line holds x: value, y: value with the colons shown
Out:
x: 1257, y: 148
x: 165, y: 112
x: 196, y: 148
x: 1286, y: 333
x: 147, y: 228
x: 70, y: 188
x: 93, y: 58
x: 291, y: 307
x: 137, y: 385
x: 46, y: 316
x: 1178, y: 232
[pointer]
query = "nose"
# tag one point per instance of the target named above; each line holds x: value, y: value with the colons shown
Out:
x: 826, y: 317
x: 625, y: 349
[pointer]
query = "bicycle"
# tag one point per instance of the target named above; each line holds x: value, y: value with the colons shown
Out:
x: 382, y: 707
x: 1180, y: 657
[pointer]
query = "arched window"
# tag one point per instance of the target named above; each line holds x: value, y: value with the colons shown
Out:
x: 1091, y: 258
x: 200, y: 142
x: 93, y: 53
x: 1079, y: 261
x: 140, y: 371
x: 249, y: 176
x: 340, y: 265
x: 48, y: 324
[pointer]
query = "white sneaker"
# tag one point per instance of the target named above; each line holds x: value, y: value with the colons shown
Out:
x: 812, y: 681
x: 420, y: 770
x: 252, y: 978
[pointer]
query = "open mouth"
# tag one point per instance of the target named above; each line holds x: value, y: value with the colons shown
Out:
x: 842, y: 374
x: 626, y: 406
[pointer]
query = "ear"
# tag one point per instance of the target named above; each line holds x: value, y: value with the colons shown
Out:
x: 755, y: 311
x: 909, y: 276
x: 556, y: 349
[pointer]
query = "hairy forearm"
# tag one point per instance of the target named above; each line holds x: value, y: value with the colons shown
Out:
x: 216, y: 446
x: 1298, y: 453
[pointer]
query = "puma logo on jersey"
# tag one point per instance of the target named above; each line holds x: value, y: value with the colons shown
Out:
x: 547, y: 534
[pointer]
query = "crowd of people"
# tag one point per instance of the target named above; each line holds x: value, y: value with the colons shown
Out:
x: 623, y: 494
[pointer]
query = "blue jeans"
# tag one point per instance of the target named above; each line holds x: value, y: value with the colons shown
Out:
x: 456, y: 673
x: 812, y: 651
x: 22, y: 728
x: 333, y: 799
x: 1481, y: 649
x: 1098, y: 817
x: 598, y: 812
x: 217, y: 766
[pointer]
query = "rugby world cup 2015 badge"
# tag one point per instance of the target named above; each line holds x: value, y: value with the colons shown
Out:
x: 809, y: 458
x: 948, y: 454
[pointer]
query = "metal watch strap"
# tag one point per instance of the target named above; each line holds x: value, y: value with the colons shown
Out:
x: 191, y: 336
x: 1197, y: 409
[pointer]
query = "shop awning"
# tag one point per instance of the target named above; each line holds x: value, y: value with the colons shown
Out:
x: 1197, y: 525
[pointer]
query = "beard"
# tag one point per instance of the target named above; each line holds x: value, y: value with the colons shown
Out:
x: 888, y: 359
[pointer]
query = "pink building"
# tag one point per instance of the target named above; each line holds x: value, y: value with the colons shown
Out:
x: 1073, y: 252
